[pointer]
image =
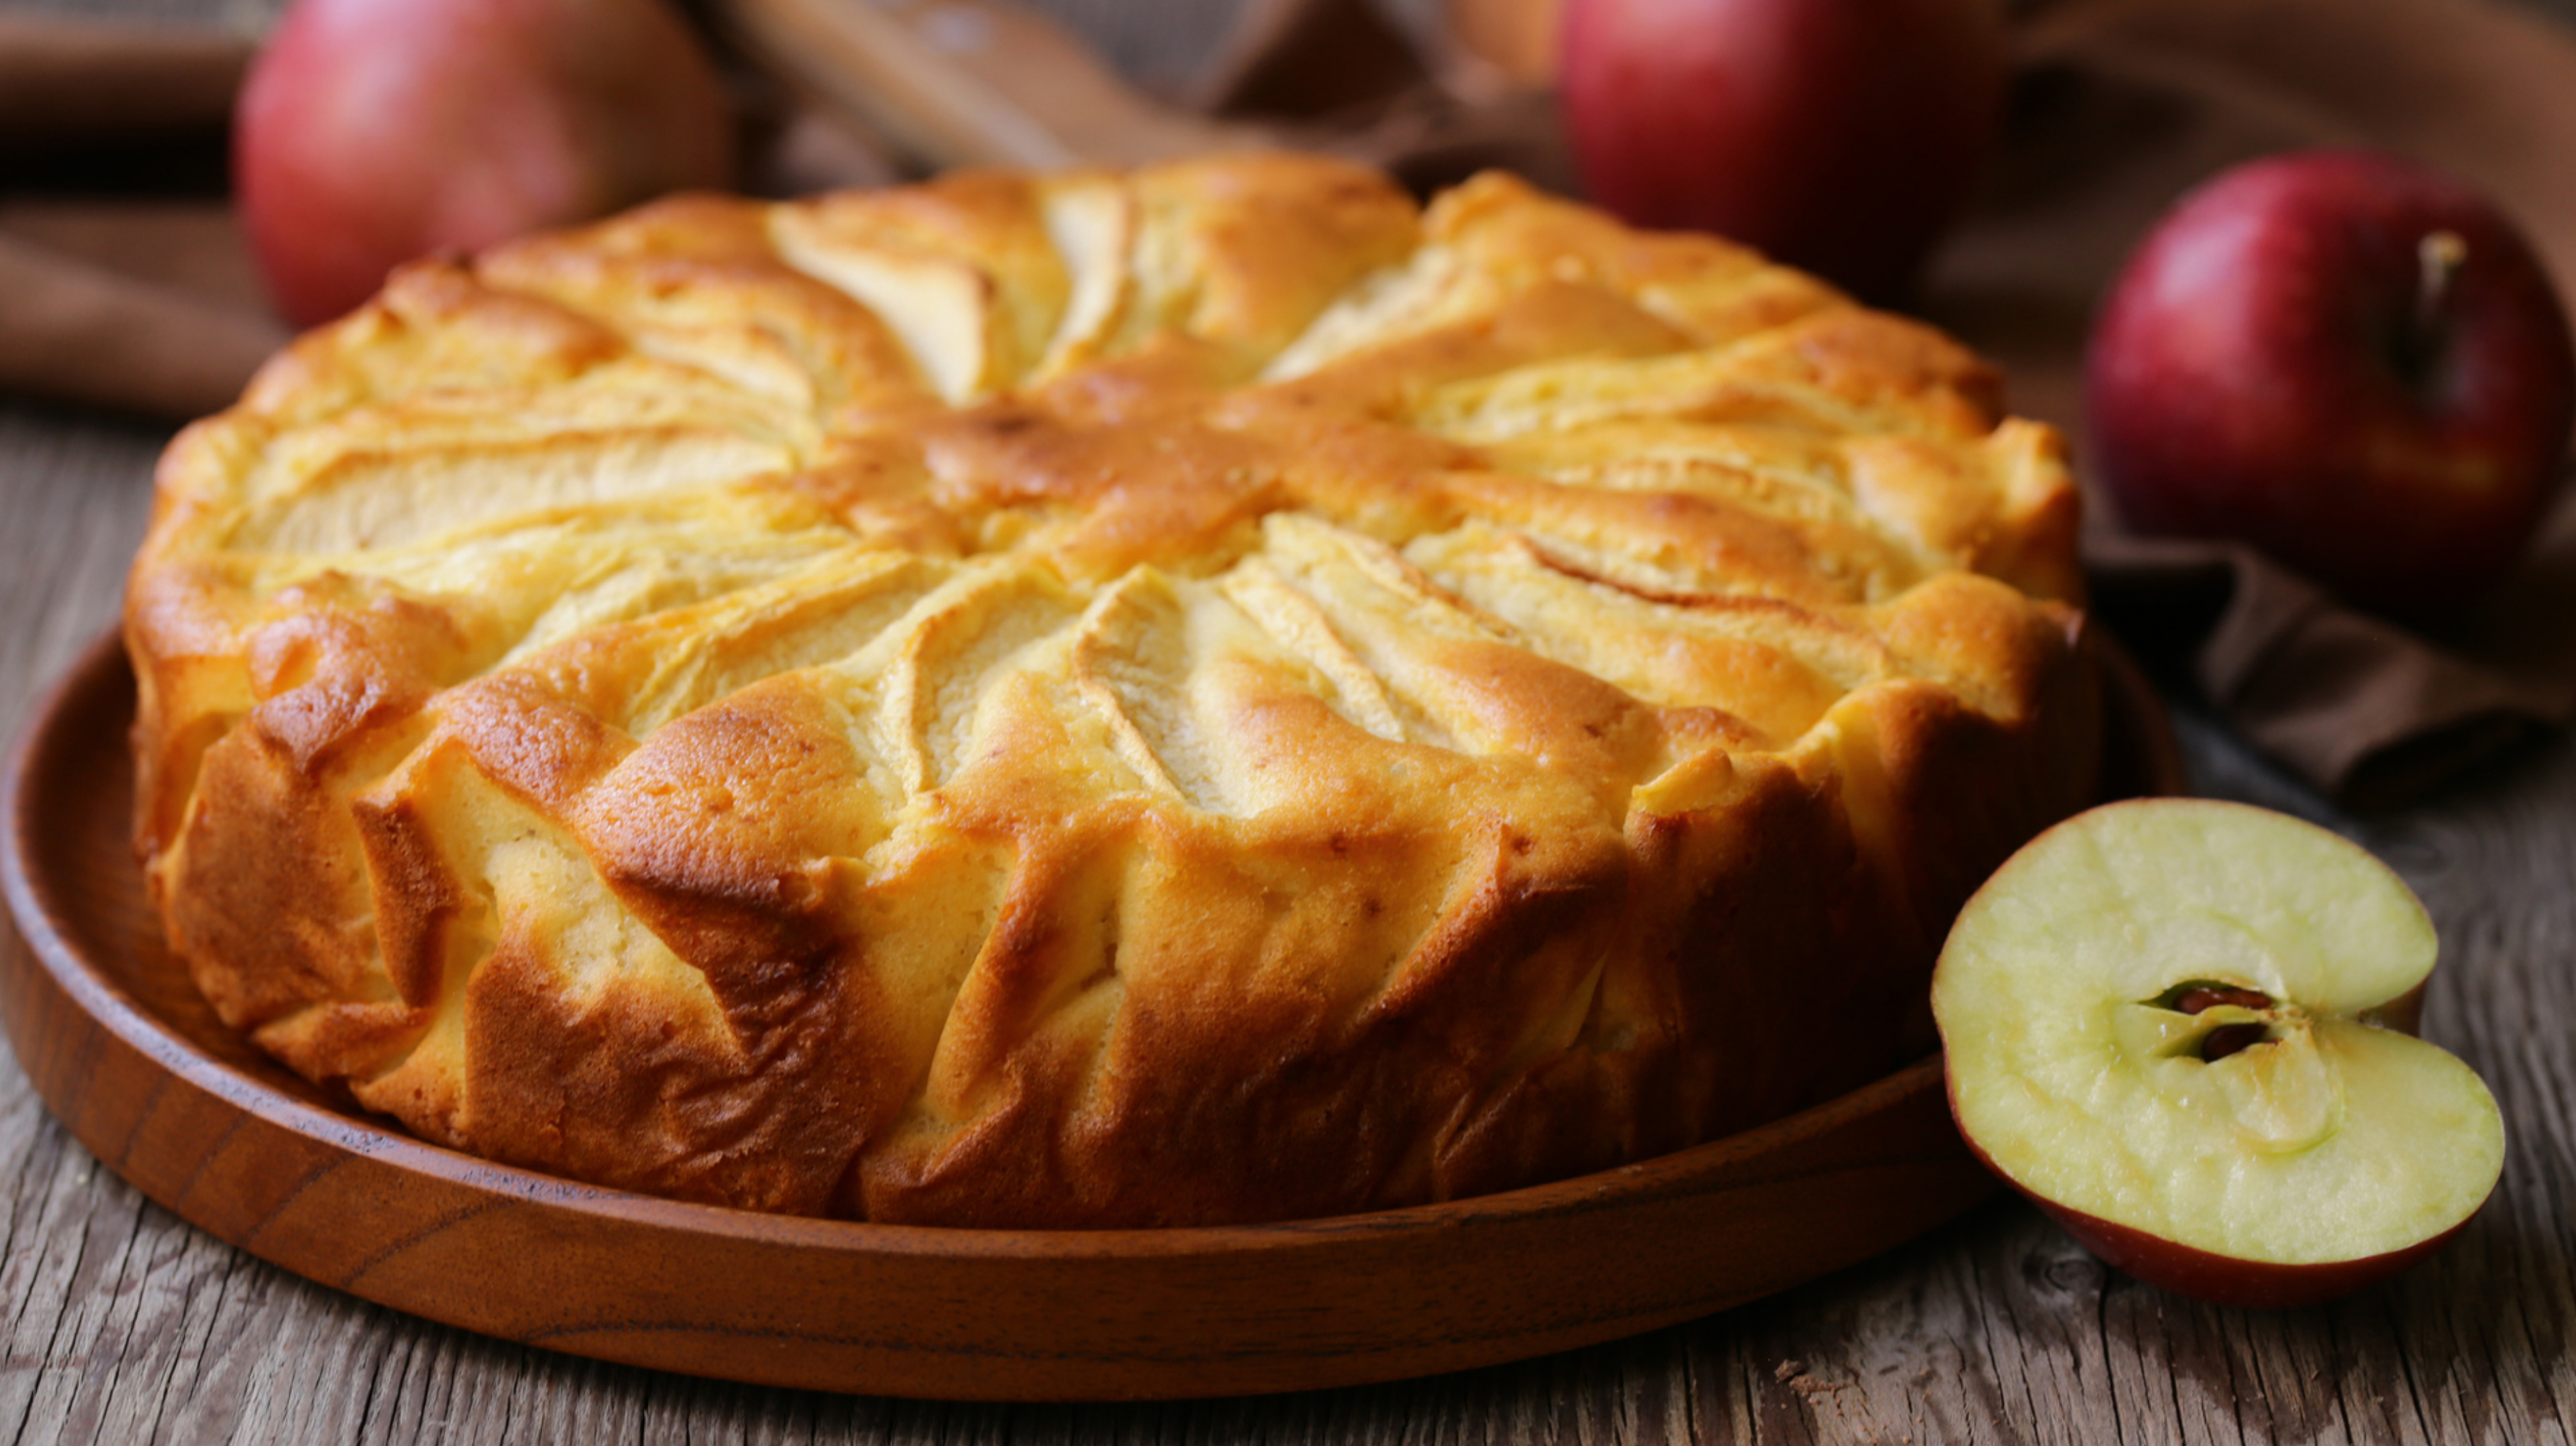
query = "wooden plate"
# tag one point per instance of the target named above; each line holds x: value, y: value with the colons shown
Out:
x: 128, y: 1056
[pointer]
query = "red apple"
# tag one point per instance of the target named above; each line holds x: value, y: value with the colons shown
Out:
x: 2352, y: 362
x: 1836, y: 135
x: 2180, y: 1026
x: 373, y: 131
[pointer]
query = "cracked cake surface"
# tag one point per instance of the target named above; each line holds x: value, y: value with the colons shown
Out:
x: 1202, y: 694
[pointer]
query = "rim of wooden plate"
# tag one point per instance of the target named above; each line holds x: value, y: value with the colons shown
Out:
x: 235, y: 1145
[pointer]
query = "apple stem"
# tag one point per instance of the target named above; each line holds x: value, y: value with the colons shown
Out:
x: 2438, y: 258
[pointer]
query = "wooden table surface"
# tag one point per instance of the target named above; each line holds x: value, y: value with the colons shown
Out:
x: 119, y: 1323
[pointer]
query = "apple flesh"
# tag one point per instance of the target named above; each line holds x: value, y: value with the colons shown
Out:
x: 2351, y: 362
x: 2170, y: 1022
x: 370, y: 132
x: 1840, y: 136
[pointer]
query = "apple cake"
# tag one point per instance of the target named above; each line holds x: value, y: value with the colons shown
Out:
x: 1206, y: 694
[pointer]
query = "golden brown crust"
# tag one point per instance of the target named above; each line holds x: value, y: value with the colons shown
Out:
x: 1189, y: 696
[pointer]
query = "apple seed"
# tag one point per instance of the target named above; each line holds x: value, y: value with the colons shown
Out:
x: 2193, y: 996
x: 2202, y: 994
x: 2234, y: 1036
x: 2228, y: 1039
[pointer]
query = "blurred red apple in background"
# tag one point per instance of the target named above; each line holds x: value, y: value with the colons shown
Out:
x: 1836, y: 135
x: 373, y: 131
x: 2352, y: 362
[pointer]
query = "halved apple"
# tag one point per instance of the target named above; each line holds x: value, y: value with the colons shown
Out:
x: 2178, y: 1025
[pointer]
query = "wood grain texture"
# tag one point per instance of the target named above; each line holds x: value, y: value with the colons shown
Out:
x: 118, y: 1323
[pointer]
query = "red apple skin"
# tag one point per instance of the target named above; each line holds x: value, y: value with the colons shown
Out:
x: 2261, y: 372
x: 370, y: 132
x: 2221, y: 1280
x: 1840, y: 136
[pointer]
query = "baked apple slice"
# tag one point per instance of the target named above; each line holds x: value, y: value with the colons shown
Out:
x: 2179, y: 1026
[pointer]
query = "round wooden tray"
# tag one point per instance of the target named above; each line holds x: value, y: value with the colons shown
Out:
x: 128, y: 1056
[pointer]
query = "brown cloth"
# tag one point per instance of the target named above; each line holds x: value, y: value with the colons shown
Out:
x: 2121, y: 106
x: 2353, y: 703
